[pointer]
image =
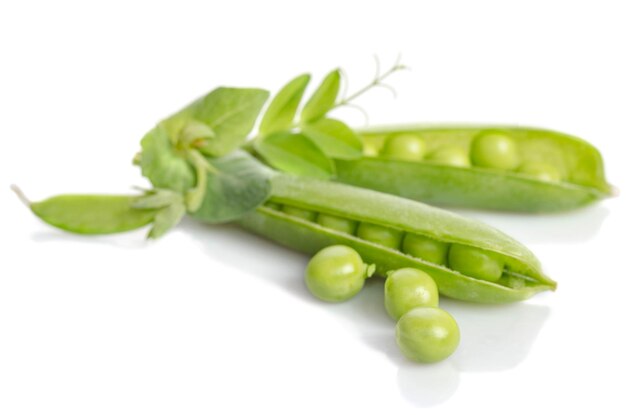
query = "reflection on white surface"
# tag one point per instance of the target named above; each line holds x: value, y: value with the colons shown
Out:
x: 428, y: 385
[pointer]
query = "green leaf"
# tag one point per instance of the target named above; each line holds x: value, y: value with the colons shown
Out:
x: 295, y: 153
x: 281, y: 111
x: 239, y: 185
x: 166, y: 218
x: 162, y: 164
x: 323, y: 99
x: 335, y: 138
x: 230, y: 113
x: 157, y: 198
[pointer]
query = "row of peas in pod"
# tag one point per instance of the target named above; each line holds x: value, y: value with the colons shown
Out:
x: 467, y: 260
x: 488, y: 149
x: 424, y: 332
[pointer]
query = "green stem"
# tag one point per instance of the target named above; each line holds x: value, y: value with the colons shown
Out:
x: 376, y: 82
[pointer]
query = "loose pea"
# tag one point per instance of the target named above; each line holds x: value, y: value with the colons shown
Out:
x: 337, y: 223
x: 336, y: 273
x: 427, y: 334
x: 404, y: 147
x: 300, y: 213
x: 408, y: 288
x: 475, y: 262
x: 541, y: 171
x: 451, y: 156
x: 494, y: 150
x: 425, y: 248
x: 381, y: 235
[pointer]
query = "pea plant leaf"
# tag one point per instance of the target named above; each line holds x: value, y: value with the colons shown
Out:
x: 166, y: 218
x: 323, y: 99
x: 282, y: 110
x: 163, y: 164
x: 229, y: 115
x: 169, y: 209
x: 295, y: 153
x: 334, y: 138
x: 237, y: 184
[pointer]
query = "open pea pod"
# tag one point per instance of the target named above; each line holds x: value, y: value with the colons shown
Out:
x: 526, y: 169
x: 297, y: 217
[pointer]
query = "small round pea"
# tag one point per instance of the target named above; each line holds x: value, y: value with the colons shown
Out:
x: 427, y: 334
x: 337, y: 223
x: 381, y: 235
x: 541, y: 171
x: 300, y: 213
x: 408, y: 288
x: 495, y: 150
x: 451, y: 156
x: 475, y: 262
x: 404, y: 147
x: 425, y: 248
x: 336, y: 273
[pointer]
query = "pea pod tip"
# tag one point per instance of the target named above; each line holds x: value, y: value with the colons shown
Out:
x: 20, y: 194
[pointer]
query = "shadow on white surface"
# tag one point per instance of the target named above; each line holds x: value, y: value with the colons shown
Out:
x: 575, y: 226
x: 494, y: 338
x: 128, y: 240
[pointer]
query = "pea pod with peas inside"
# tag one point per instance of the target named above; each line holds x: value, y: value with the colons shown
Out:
x: 467, y: 259
x: 489, y: 167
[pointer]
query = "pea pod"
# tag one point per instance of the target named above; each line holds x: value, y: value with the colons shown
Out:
x: 501, y: 168
x: 521, y: 278
x: 92, y: 214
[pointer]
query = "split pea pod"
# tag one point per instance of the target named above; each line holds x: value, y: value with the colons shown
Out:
x: 486, y: 167
x: 480, y: 263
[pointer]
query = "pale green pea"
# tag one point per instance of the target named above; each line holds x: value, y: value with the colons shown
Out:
x: 451, y: 156
x: 425, y: 248
x: 408, y: 288
x: 494, y: 150
x: 427, y: 334
x: 300, y: 213
x: 404, y: 147
x: 381, y: 235
x: 337, y: 223
x: 475, y: 262
x: 541, y: 171
x: 336, y: 273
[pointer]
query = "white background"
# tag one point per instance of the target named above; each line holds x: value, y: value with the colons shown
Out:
x: 214, y: 320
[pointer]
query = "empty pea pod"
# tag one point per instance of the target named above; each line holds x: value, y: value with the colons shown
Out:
x: 91, y: 214
x: 393, y: 220
x: 501, y: 168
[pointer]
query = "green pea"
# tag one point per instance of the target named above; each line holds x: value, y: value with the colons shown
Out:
x: 336, y: 273
x: 541, y: 171
x: 425, y: 248
x: 300, y: 213
x: 381, y: 235
x: 427, y: 334
x: 408, y: 288
x: 451, y: 156
x: 272, y: 205
x: 370, y: 149
x: 494, y: 150
x: 337, y: 223
x: 404, y: 147
x: 475, y: 262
